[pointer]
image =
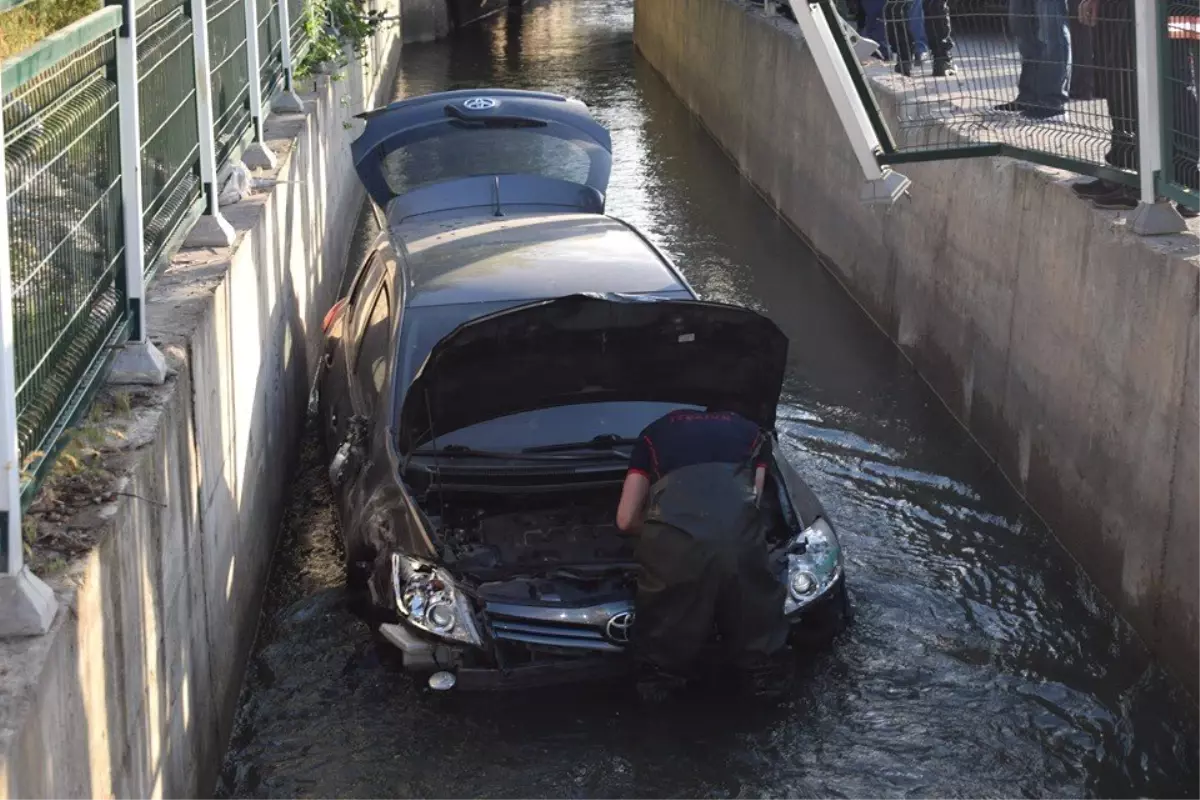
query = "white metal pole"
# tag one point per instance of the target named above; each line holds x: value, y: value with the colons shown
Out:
x: 212, y: 229
x: 128, y: 106
x: 27, y: 606
x: 883, y: 185
x: 1151, y: 218
x: 10, y: 457
x: 287, y: 101
x: 257, y: 154
x: 139, y: 361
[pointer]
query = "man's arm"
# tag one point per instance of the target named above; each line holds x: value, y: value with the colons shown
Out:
x: 633, y: 498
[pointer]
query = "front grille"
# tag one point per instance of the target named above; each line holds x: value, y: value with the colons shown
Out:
x: 554, y: 627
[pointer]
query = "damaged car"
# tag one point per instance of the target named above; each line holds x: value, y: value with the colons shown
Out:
x: 484, y: 378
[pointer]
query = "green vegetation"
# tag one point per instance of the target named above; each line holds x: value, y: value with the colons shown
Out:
x: 22, y: 27
x: 330, y: 25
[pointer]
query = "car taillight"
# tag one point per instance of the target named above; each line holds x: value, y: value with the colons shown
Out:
x: 332, y: 315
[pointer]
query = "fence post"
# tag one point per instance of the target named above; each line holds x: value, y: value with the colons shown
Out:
x: 27, y: 606
x: 883, y: 185
x: 1151, y: 217
x: 287, y: 101
x: 212, y: 229
x: 256, y: 155
x: 139, y: 361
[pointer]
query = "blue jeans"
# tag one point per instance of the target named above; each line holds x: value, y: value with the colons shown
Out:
x: 874, y: 28
x: 916, y: 26
x: 1040, y: 27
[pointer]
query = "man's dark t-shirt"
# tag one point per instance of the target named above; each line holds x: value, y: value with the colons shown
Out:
x: 683, y: 438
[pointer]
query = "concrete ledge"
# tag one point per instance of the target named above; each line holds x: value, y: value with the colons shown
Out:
x: 1063, y: 342
x: 132, y: 692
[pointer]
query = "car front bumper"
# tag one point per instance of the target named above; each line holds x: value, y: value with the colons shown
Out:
x: 475, y: 670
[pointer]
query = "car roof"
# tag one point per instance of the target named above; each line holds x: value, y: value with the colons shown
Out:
x: 532, y: 256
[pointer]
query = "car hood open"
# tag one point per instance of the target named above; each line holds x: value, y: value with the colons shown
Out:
x: 590, y: 348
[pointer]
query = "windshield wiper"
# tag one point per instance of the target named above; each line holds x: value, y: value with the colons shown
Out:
x: 605, y: 441
x: 462, y: 451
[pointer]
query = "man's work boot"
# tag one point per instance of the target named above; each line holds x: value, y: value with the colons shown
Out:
x: 943, y: 67
x: 1094, y: 188
x: 655, y: 686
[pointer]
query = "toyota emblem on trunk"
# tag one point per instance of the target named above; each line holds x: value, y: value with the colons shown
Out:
x: 619, y: 627
x: 479, y: 103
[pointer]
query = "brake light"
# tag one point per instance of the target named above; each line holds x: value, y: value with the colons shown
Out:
x: 331, y: 315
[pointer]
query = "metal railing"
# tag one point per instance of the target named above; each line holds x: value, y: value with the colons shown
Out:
x: 1105, y: 88
x: 111, y: 152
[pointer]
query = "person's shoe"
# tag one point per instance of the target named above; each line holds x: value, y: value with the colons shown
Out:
x: 943, y: 67
x: 1185, y: 212
x: 919, y: 58
x: 655, y: 687
x: 1093, y: 188
x: 1121, y: 199
x: 1012, y: 106
x: 904, y: 68
x: 1042, y: 112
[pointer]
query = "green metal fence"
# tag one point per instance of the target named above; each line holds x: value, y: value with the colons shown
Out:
x: 170, y: 138
x: 1048, y: 81
x: 297, y: 16
x: 63, y: 177
x: 1179, y: 54
x: 270, y: 47
x: 230, y: 75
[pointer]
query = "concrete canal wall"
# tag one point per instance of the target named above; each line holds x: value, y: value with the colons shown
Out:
x: 1066, y: 345
x: 132, y: 693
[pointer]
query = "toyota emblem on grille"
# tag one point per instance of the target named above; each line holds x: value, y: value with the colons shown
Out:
x: 479, y: 103
x: 619, y: 627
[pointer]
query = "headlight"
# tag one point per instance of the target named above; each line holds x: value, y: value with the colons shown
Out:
x: 811, y: 573
x: 427, y: 597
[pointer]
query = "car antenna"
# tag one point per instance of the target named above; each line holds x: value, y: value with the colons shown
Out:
x: 496, y: 195
x: 436, y: 463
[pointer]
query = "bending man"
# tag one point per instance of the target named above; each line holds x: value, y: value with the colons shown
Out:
x: 691, y: 494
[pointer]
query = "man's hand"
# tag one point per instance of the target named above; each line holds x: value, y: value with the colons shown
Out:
x: 1088, y: 12
x: 633, y: 497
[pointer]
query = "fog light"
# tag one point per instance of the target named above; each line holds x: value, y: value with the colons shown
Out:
x: 441, y: 617
x: 802, y: 584
x: 442, y: 681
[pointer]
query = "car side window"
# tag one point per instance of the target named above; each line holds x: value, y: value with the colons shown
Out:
x: 364, y: 289
x: 371, y: 366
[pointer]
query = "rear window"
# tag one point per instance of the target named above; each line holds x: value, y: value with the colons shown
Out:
x: 454, y: 153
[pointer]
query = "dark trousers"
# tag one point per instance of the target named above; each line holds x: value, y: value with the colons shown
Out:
x: 1083, y: 73
x: 690, y: 589
x: 1116, y: 79
x: 937, y: 28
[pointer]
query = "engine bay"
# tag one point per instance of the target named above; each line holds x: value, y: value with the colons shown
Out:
x: 532, y: 536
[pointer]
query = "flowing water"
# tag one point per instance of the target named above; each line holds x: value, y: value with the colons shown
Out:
x: 981, y: 662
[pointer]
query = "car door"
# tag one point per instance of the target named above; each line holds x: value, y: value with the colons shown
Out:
x: 370, y: 357
x: 337, y: 395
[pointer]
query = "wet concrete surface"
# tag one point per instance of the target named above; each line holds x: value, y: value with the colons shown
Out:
x: 981, y: 662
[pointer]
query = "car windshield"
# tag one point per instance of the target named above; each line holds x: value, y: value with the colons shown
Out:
x: 425, y: 326
x: 550, y: 426
x: 468, y: 152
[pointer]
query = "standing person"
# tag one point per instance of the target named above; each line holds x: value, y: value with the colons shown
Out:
x: 873, y: 28
x: 1044, y: 41
x: 691, y: 496
x: 937, y: 31
x: 1116, y: 82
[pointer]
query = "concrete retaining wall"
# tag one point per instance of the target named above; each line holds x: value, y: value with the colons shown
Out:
x: 132, y: 693
x: 1065, y: 344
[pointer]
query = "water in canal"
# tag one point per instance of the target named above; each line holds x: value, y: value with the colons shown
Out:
x: 981, y: 662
